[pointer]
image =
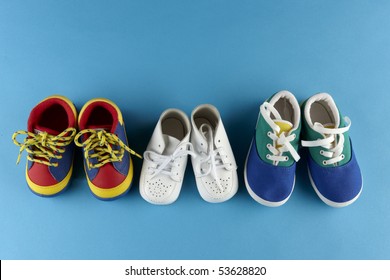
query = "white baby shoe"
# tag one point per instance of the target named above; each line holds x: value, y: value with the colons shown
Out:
x: 165, y: 158
x: 214, y: 165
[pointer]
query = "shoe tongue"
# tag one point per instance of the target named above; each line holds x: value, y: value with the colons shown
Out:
x: 171, y: 144
x: 285, y: 126
x: 329, y: 125
x: 326, y: 125
x: 101, y: 127
x: 40, y: 129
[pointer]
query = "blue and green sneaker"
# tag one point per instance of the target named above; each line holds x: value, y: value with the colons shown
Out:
x: 333, y: 169
x: 270, y: 165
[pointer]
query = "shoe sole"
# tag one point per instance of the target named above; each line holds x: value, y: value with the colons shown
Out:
x: 330, y: 202
x: 258, y: 198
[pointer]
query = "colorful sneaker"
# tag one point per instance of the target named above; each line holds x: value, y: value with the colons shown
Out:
x: 333, y: 170
x: 165, y: 159
x: 214, y: 165
x: 49, y: 143
x: 270, y: 165
x: 108, y: 167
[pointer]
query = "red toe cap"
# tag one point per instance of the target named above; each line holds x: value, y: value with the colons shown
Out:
x: 40, y: 175
x: 108, y: 177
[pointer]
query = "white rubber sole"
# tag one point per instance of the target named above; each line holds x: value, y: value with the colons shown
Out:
x: 258, y: 198
x: 330, y: 202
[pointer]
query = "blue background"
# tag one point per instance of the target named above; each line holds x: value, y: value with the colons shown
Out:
x: 151, y: 55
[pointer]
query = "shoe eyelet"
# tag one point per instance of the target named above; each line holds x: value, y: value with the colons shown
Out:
x: 268, y: 156
x: 324, y: 162
x: 269, y: 133
x: 286, y: 158
x: 322, y: 152
x: 268, y: 145
x: 342, y: 156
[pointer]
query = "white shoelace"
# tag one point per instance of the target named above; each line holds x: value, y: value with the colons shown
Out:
x: 215, y: 159
x: 282, y: 143
x: 333, y: 141
x: 166, y: 164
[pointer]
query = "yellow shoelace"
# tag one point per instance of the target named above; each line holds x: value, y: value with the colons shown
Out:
x: 106, y: 147
x: 42, y: 147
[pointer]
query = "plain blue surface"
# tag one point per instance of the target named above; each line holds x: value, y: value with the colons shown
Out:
x: 148, y: 56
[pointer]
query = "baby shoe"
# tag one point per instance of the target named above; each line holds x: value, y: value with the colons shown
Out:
x: 109, y: 169
x: 165, y: 158
x: 49, y: 144
x: 271, y: 161
x: 333, y: 170
x: 214, y: 165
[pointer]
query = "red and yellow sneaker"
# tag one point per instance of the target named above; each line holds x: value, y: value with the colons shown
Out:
x: 102, y: 136
x: 49, y: 144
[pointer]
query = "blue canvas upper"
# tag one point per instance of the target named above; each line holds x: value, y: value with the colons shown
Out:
x: 64, y: 164
x: 339, y: 183
x: 269, y: 182
x: 122, y: 166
